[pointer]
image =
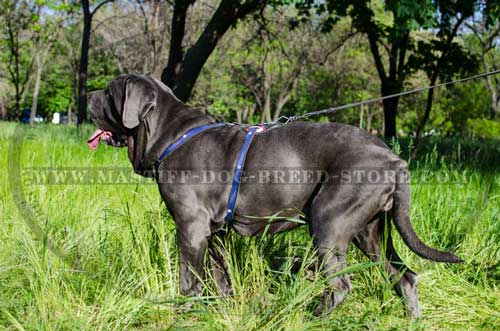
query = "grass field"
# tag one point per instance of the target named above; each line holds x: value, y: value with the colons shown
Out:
x: 116, y: 266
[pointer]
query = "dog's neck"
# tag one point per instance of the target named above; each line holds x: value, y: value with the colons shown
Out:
x: 166, y: 125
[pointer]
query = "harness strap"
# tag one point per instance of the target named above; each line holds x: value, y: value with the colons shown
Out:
x: 185, y: 137
x: 238, y: 171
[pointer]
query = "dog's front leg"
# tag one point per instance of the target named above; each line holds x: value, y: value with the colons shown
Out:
x: 192, y: 247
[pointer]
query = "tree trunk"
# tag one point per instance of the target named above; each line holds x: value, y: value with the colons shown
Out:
x: 486, y: 38
x: 494, y: 109
x: 390, y: 112
x: 15, y: 75
x: 369, y: 119
x: 18, y: 100
x: 198, y: 54
x: 361, y: 113
x: 266, y: 110
x: 428, y: 108
x: 73, y: 65
x: 286, y: 93
x: 3, y: 109
x: 226, y: 15
x: 390, y: 107
x: 84, y: 62
x: 36, y: 90
x: 70, y: 116
x: 14, y: 65
x: 171, y: 71
x: 391, y: 83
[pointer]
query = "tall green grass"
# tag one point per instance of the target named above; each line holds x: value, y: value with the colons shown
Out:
x: 120, y: 266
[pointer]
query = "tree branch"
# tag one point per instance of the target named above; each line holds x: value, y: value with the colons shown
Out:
x: 372, y: 39
x: 99, y: 6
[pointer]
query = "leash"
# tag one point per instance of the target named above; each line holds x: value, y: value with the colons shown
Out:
x: 288, y: 119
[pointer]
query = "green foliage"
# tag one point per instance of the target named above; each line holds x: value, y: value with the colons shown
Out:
x: 483, y: 128
x: 492, y: 12
x: 58, y: 88
x: 390, y: 19
x: 56, y: 92
x: 458, y: 62
x: 459, y: 104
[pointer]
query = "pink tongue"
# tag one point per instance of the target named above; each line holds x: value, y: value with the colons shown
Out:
x: 93, y: 141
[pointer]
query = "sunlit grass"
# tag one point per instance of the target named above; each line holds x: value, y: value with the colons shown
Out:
x: 121, y: 266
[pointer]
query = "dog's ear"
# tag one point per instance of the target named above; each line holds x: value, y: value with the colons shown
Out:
x: 140, y: 98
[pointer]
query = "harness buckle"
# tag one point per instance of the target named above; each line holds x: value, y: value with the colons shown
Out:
x: 259, y: 128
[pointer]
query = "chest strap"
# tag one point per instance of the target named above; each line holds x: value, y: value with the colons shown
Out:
x: 238, y: 171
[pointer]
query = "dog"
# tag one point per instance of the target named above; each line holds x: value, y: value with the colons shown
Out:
x: 143, y: 114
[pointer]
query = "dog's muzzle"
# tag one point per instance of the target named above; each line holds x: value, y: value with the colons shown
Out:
x: 108, y: 137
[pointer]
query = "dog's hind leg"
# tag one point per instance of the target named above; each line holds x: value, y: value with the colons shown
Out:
x: 337, y: 214
x: 331, y: 248
x: 332, y: 261
x: 369, y: 240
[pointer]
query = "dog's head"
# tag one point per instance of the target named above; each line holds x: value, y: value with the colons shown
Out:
x: 119, y: 112
x: 122, y: 106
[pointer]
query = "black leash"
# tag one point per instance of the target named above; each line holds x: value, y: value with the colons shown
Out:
x: 288, y: 119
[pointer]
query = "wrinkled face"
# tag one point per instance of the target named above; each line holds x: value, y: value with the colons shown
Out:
x: 118, y: 109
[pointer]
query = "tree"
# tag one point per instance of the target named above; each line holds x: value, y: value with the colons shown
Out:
x: 69, y: 42
x: 271, y: 64
x: 147, y: 25
x: 48, y: 33
x: 442, y: 56
x: 392, y: 29
x: 274, y: 58
x: 254, y: 73
x: 184, y: 66
x: 486, y: 29
x: 18, y: 18
x: 88, y: 15
x: 388, y: 26
x: 344, y: 77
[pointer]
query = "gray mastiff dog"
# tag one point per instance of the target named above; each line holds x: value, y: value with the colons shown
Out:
x: 143, y: 114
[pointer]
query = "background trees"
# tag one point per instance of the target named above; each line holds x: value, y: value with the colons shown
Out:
x: 88, y: 15
x: 255, y: 60
x: 18, y: 40
x: 184, y: 66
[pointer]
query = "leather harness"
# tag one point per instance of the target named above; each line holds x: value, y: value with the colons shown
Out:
x: 240, y: 160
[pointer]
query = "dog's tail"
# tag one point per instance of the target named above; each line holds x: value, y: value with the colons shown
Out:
x: 400, y: 212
